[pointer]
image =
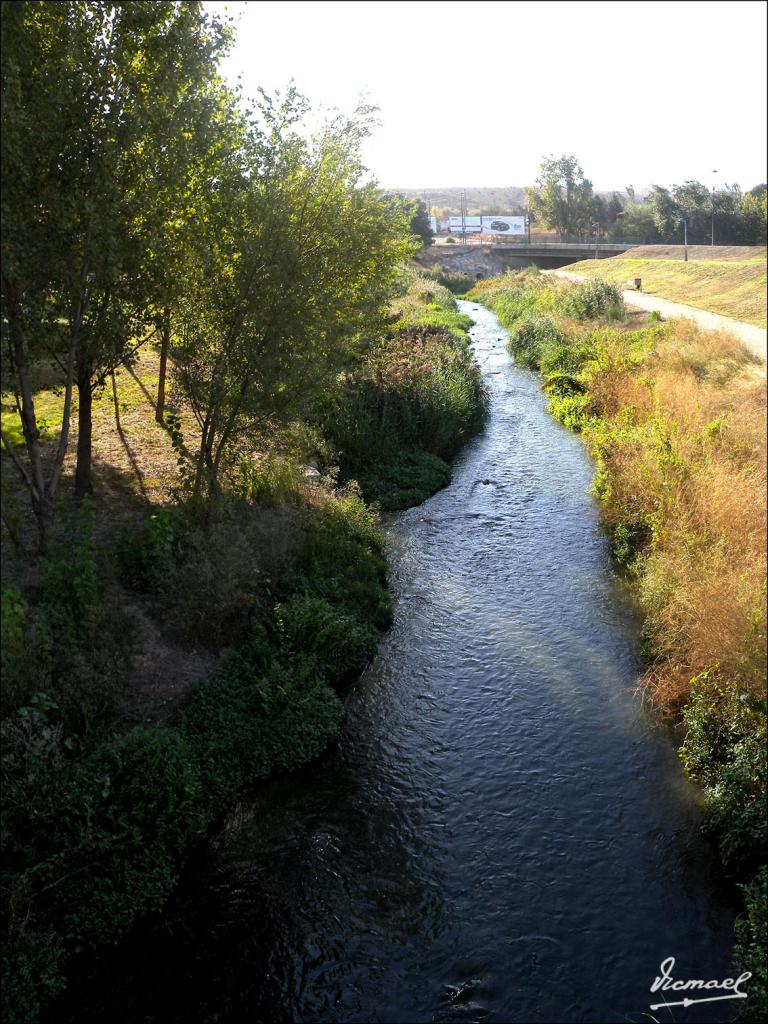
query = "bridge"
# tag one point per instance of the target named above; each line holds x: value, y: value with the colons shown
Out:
x: 482, y: 258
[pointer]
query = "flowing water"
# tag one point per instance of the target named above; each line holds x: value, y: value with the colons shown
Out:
x: 502, y: 832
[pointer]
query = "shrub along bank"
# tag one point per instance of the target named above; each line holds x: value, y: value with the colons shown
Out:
x: 414, y: 398
x: 97, y: 817
x: 675, y: 419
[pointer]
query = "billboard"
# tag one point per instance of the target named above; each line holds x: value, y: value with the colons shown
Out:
x: 501, y: 224
x: 472, y: 225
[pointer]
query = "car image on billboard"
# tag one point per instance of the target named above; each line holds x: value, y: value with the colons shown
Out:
x: 504, y: 224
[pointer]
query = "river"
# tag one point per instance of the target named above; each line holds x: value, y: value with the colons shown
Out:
x: 502, y: 833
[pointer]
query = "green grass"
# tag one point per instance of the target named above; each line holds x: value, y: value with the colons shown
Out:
x: 735, y: 288
x: 134, y: 390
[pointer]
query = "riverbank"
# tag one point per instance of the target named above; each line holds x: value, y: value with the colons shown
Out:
x: 502, y: 831
x: 674, y: 417
x: 156, y: 666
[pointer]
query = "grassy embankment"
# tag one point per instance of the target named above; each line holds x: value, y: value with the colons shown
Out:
x: 258, y: 614
x: 731, y: 287
x: 675, y: 419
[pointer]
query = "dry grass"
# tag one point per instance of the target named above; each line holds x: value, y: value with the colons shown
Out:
x: 134, y: 464
x: 699, y: 252
x: 731, y: 287
x: 685, y: 450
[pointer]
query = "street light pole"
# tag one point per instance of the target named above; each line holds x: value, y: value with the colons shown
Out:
x: 713, y: 210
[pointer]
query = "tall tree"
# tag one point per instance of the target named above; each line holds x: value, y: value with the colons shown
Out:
x: 300, y: 256
x: 105, y: 89
x: 562, y: 197
x: 420, y: 223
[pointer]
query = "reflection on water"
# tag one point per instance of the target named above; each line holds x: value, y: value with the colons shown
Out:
x: 501, y: 833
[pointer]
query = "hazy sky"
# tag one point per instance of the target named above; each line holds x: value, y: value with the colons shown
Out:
x: 475, y: 93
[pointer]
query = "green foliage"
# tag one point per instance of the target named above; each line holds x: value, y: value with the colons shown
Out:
x: 342, y: 644
x: 412, y: 401
x: 147, y: 549
x: 562, y: 197
x: 117, y: 98
x: 343, y: 561
x: 256, y: 715
x: 106, y: 832
x: 261, y: 330
x: 71, y: 588
x: 32, y: 973
x: 589, y: 300
x: 455, y: 281
x: 271, y: 481
x: 94, y: 834
x: 420, y: 224
x: 636, y: 225
x: 751, y: 952
x: 725, y: 751
x: 406, y: 479
x: 13, y: 611
x: 569, y: 406
x: 628, y: 540
x: 427, y: 303
x: 532, y: 336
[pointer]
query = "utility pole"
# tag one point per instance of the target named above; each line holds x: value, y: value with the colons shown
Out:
x: 713, y: 210
x: 685, y: 239
x: 596, y: 226
x: 463, y: 202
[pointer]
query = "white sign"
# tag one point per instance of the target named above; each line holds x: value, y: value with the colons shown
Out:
x: 433, y: 224
x: 501, y: 224
x: 472, y: 225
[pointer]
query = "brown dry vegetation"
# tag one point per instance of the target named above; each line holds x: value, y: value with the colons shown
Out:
x: 685, y: 452
x: 698, y: 252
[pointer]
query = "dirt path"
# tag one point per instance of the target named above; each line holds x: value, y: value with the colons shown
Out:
x: 753, y: 337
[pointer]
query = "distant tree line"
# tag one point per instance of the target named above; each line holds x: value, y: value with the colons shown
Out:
x: 563, y: 199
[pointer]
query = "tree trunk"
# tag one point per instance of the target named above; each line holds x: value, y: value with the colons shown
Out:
x: 83, y: 480
x: 44, y: 515
x: 164, y: 347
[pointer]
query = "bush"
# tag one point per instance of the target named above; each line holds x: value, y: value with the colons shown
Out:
x: 146, y: 551
x: 255, y: 715
x: 17, y: 684
x: 32, y: 972
x: 725, y: 751
x: 751, y: 952
x: 532, y: 337
x: 405, y: 480
x: 71, y: 591
x: 106, y: 833
x: 568, y: 401
x: 591, y: 299
x: 455, y: 282
x: 94, y: 832
x: 341, y: 644
x: 415, y: 399
x: 271, y: 481
x: 343, y: 561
